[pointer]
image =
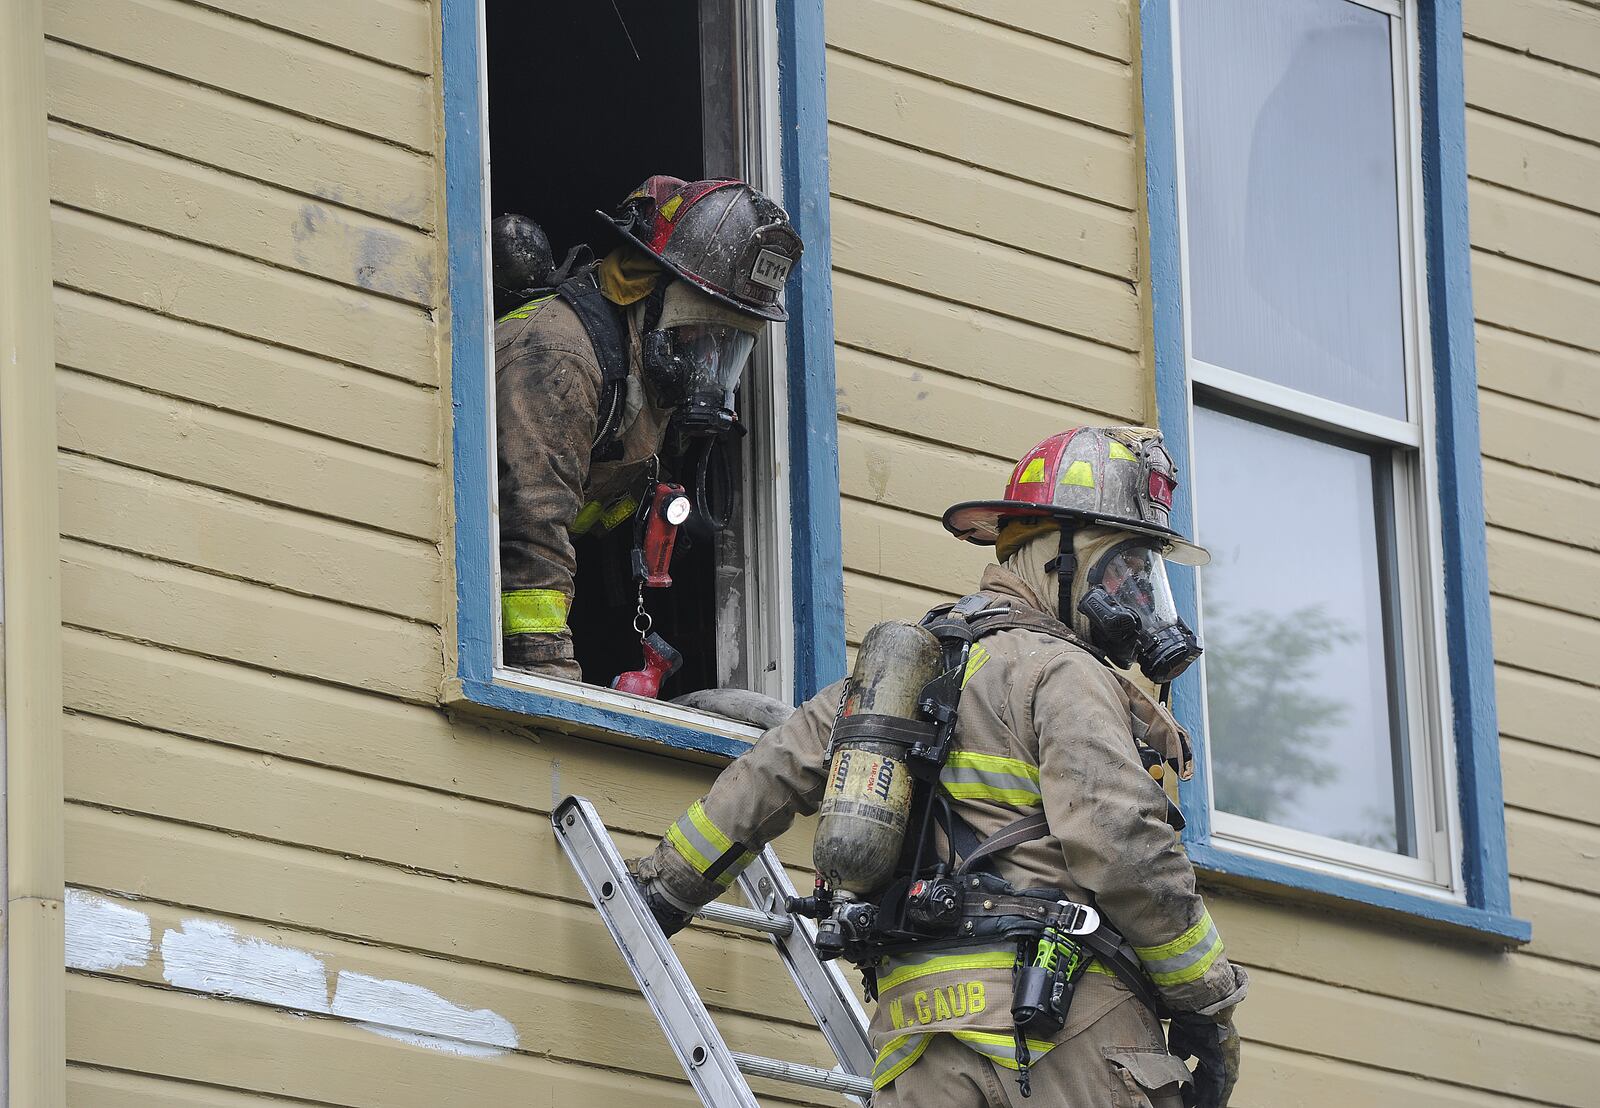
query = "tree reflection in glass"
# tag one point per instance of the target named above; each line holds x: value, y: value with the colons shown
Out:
x: 1304, y: 716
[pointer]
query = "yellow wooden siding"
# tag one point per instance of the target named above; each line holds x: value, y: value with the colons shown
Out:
x: 985, y: 219
x: 1533, y: 82
x: 248, y: 303
x: 248, y: 290
x: 932, y: 409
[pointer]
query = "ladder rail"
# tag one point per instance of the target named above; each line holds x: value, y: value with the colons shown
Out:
x: 838, y: 1014
x: 717, y: 1073
x: 694, y: 1038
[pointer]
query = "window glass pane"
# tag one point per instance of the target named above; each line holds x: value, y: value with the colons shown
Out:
x: 1303, y: 727
x: 1293, y: 230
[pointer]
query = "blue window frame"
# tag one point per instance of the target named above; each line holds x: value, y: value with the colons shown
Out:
x: 817, y: 566
x: 1468, y: 646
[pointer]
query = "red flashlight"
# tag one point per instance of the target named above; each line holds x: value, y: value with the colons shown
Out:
x: 652, y: 553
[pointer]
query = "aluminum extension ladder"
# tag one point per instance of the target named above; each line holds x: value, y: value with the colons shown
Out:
x: 717, y: 1073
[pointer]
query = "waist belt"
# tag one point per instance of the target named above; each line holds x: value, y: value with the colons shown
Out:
x: 995, y: 912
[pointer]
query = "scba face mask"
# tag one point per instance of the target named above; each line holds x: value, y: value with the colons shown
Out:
x: 695, y: 358
x: 1128, y: 605
x: 696, y: 368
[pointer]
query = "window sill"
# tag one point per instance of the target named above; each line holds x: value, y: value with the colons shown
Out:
x: 675, y: 732
x: 1279, y: 878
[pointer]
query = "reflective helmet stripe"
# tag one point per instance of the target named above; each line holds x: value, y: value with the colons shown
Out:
x: 666, y: 216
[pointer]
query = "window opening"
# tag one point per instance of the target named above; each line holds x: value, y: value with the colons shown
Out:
x: 585, y: 101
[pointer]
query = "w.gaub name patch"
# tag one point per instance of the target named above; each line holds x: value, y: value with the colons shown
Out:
x: 771, y: 269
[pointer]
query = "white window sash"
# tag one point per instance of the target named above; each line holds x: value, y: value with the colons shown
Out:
x: 1304, y: 408
x: 1436, y: 870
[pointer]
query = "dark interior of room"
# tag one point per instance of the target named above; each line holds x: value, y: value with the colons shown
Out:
x: 586, y: 101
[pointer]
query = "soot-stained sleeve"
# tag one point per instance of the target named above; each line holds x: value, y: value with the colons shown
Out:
x: 1110, y: 817
x: 751, y: 803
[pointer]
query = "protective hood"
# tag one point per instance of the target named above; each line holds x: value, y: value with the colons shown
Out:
x: 628, y: 275
x: 1030, y: 554
x: 1027, y: 561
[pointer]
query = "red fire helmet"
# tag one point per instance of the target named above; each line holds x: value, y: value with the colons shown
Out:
x: 729, y: 240
x: 1119, y: 477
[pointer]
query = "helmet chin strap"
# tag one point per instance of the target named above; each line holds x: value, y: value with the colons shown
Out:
x: 1065, y: 566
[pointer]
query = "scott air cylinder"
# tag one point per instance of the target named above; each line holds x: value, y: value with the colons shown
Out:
x: 867, y: 799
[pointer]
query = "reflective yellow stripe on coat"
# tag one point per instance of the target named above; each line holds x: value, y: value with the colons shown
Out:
x: 899, y: 1053
x: 533, y: 612
x: 1001, y: 1048
x: 1185, y: 958
x: 527, y: 309
x: 896, y: 1057
x: 908, y: 967
x: 607, y: 517
x: 703, y: 845
x: 969, y: 775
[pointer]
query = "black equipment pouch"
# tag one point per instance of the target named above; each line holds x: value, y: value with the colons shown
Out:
x: 607, y: 332
x: 1043, y: 982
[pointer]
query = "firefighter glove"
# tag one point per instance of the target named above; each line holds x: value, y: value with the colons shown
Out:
x: 1213, y: 1043
x: 669, y: 916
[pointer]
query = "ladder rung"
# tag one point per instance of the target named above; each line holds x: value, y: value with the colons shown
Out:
x: 750, y: 918
x: 797, y: 1074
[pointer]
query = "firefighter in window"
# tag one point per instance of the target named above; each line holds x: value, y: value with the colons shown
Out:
x: 591, y: 368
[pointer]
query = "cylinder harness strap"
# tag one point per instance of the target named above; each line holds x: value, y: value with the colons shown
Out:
x: 602, y: 322
x: 1065, y: 938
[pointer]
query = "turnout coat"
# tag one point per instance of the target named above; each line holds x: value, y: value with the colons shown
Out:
x: 549, y: 386
x: 1042, y: 723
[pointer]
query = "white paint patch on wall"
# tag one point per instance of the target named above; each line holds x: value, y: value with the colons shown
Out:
x: 208, y: 956
x: 421, y: 1017
x: 211, y: 957
x: 104, y: 935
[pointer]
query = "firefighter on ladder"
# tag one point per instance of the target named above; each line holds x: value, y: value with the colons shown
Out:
x: 1049, y: 720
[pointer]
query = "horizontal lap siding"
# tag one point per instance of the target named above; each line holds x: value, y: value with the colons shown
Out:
x: 986, y: 264
x: 1533, y: 90
x: 249, y: 320
x: 251, y: 428
x: 986, y: 252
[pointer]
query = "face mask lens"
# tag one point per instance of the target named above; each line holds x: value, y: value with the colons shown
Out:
x: 1136, y: 575
x: 715, y: 356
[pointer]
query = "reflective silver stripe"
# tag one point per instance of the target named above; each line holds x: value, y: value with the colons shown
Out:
x: 969, y: 775
x: 896, y: 1057
x: 702, y: 844
x: 1001, y: 1048
x: 1191, y: 964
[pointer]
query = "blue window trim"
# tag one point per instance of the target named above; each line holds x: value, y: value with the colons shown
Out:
x: 1466, y: 584
x: 817, y: 567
